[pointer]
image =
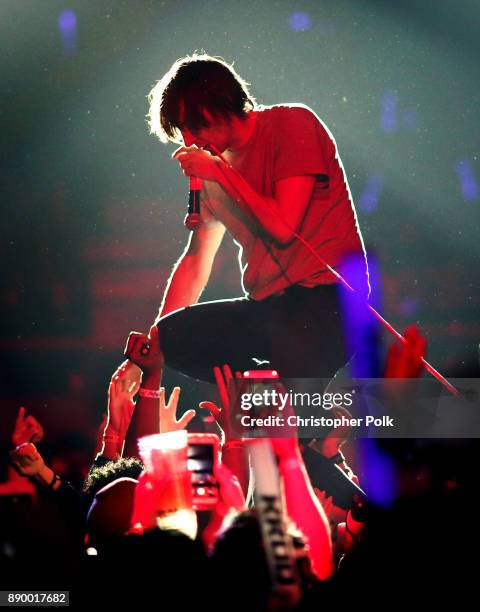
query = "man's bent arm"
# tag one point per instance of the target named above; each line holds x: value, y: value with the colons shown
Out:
x: 192, y: 271
x: 280, y: 216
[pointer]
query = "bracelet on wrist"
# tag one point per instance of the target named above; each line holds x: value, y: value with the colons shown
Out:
x: 149, y: 393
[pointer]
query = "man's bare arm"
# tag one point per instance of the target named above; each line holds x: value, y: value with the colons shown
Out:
x: 279, y: 217
x: 192, y: 271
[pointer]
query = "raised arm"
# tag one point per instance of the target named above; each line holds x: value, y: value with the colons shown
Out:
x: 280, y: 216
x: 113, y: 429
x: 303, y: 506
x: 233, y: 449
x: 192, y: 271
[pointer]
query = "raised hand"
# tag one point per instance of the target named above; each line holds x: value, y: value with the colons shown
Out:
x: 230, y: 492
x: 168, y: 412
x: 223, y: 377
x: 230, y: 499
x: 26, y: 460
x: 233, y: 452
x: 27, y: 429
x: 123, y: 386
x: 144, y: 350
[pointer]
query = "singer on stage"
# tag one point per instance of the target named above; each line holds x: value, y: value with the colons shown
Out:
x: 270, y: 174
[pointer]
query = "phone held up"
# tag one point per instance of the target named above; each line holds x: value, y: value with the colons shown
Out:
x: 202, y: 458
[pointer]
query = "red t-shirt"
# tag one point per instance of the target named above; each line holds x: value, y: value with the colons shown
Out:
x: 290, y: 140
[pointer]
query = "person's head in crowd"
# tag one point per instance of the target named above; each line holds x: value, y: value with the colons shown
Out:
x: 110, y: 512
x: 238, y: 554
x: 100, y: 476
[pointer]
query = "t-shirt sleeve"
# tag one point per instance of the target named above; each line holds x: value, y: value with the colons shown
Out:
x: 301, y: 144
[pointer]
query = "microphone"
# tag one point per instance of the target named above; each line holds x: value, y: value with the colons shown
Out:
x: 192, y: 219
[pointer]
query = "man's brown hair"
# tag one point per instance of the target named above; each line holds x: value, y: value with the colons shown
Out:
x: 193, y: 84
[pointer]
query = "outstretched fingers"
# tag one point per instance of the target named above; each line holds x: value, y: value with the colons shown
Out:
x: 212, y: 408
x: 186, y: 418
x: 173, y: 399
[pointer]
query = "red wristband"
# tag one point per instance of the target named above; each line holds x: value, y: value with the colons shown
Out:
x: 150, y: 393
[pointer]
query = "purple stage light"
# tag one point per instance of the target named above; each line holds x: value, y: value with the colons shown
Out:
x: 468, y: 182
x: 359, y: 326
x: 380, y: 480
x: 67, y: 21
x: 368, y: 201
x: 67, y: 26
x: 389, y: 112
x: 300, y: 22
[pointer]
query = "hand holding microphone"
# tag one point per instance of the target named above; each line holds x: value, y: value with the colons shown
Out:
x: 193, y: 219
x: 198, y: 164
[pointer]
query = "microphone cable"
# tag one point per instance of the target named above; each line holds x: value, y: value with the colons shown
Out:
x: 435, y: 373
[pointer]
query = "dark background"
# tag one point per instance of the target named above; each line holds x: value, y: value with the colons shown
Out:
x: 93, y: 207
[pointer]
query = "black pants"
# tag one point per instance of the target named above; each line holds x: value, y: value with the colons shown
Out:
x: 299, y: 332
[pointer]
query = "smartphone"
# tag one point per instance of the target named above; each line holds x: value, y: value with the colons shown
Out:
x: 202, y: 457
x: 261, y: 382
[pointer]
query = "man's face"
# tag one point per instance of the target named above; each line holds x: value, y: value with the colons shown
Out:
x: 216, y: 135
